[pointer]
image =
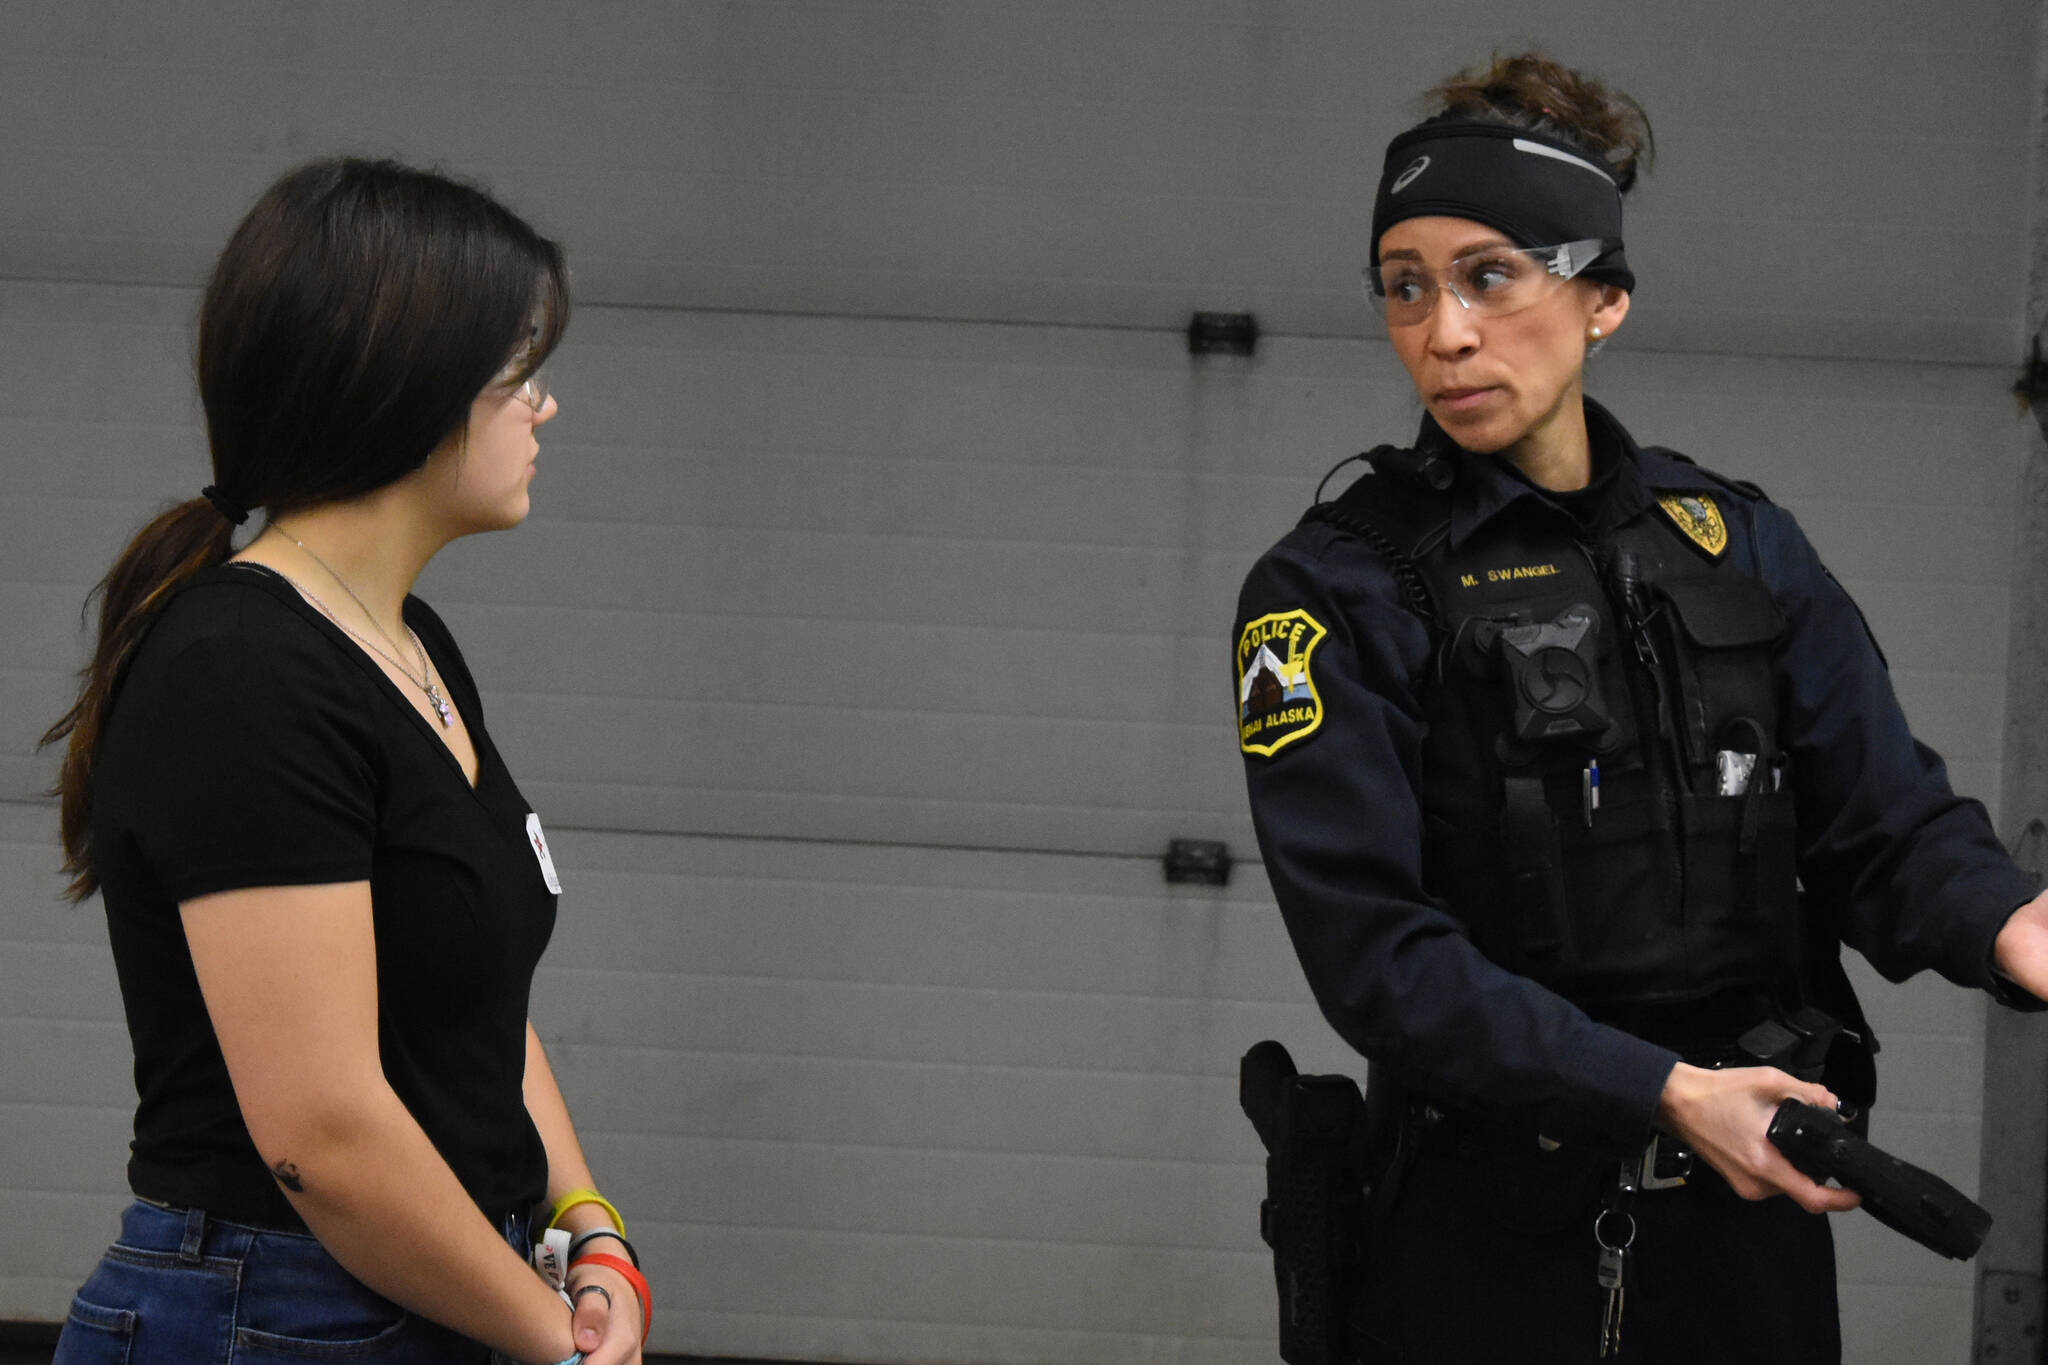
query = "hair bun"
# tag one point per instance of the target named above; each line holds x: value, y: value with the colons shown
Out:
x: 1529, y: 90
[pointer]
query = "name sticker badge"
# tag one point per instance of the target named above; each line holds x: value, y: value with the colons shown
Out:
x: 540, y: 851
x: 1277, y: 702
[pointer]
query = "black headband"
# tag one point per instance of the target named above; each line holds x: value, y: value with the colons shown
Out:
x: 1536, y: 189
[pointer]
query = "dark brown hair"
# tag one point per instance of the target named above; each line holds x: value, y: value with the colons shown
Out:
x: 352, y: 319
x: 1529, y: 90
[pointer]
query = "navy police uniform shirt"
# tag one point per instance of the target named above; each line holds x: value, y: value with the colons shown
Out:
x: 1901, y: 868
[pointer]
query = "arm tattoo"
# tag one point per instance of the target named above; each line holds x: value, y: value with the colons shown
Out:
x: 288, y: 1176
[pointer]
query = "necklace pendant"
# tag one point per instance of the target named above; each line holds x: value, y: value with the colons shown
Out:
x: 441, y: 707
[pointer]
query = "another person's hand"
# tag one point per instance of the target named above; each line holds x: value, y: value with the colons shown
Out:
x: 1724, y: 1115
x: 2021, y: 948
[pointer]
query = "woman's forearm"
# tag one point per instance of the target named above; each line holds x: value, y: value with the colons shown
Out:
x: 289, y: 976
x: 567, y: 1167
x: 622, y: 1325
x: 372, y: 1188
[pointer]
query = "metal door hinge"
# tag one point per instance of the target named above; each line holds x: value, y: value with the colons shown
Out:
x: 2008, y: 1318
x: 1204, y: 862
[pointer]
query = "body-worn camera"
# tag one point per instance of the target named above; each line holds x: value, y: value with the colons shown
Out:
x: 1552, y: 671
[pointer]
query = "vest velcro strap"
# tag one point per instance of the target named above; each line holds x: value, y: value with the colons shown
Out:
x: 1693, y: 721
x: 1535, y: 875
x: 1752, y: 818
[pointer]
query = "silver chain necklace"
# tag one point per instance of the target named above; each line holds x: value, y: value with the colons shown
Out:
x: 425, y: 682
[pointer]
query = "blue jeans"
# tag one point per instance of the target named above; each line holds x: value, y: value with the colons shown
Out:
x: 181, y: 1288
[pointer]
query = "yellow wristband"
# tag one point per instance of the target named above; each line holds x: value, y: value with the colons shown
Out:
x: 575, y: 1197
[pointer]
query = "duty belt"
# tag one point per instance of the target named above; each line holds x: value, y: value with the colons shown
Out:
x: 1664, y: 1163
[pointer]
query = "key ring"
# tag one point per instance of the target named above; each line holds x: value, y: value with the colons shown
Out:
x: 1600, y: 1237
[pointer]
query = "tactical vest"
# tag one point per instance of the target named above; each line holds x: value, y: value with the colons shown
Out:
x: 1606, y: 804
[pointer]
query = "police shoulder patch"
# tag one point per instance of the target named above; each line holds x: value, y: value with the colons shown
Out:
x: 1699, y: 519
x: 1277, y: 702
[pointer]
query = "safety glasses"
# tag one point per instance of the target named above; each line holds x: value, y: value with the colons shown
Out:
x: 1492, y: 283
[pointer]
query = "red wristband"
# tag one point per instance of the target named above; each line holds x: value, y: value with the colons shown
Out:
x: 632, y: 1276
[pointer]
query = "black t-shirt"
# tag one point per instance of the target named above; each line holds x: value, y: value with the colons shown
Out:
x: 252, y: 743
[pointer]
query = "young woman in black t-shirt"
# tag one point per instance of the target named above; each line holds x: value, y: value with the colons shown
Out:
x: 325, y: 894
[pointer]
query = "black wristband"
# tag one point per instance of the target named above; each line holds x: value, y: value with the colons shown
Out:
x: 619, y: 1237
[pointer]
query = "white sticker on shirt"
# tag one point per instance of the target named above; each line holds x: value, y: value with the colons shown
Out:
x: 540, y: 851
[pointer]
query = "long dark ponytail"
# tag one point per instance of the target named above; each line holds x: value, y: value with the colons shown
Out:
x: 352, y: 318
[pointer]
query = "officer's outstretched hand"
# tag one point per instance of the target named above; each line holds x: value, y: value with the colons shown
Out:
x: 2021, y: 948
x: 1724, y: 1115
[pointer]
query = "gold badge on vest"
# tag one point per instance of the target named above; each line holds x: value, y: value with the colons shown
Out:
x: 1696, y: 515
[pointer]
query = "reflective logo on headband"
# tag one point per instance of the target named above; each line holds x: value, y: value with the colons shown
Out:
x: 1407, y: 177
x: 1538, y: 149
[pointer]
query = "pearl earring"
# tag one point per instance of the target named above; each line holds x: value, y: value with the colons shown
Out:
x: 1594, y: 335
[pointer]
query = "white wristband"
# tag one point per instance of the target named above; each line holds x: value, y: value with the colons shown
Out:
x: 551, y: 1257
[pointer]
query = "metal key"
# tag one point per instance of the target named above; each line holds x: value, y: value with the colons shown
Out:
x: 1613, y: 1263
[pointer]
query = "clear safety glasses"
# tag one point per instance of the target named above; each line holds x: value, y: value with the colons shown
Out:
x: 1492, y: 283
x: 532, y: 391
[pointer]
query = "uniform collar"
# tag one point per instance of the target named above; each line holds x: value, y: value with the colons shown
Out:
x: 1488, y: 485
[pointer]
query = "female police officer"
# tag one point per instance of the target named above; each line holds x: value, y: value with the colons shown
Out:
x: 1543, y: 731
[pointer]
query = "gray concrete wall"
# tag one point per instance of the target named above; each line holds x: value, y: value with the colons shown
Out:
x: 2015, y: 1164
x: 862, y: 665
x: 1838, y: 184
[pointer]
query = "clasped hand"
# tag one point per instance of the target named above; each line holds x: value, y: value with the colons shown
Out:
x: 606, y: 1327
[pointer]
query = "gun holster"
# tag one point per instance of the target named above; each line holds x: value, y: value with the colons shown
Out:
x: 1317, y: 1168
x: 1815, y: 1046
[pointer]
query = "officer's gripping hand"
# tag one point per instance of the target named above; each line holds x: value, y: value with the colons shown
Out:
x: 2021, y: 948
x: 1724, y: 1117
